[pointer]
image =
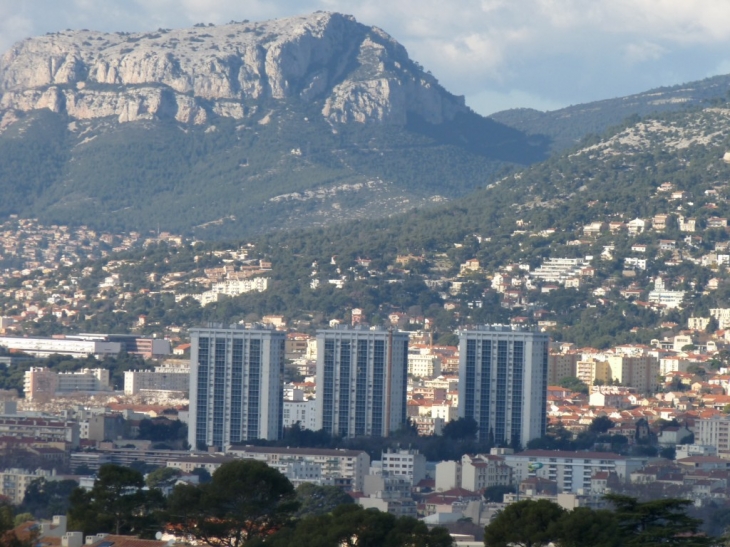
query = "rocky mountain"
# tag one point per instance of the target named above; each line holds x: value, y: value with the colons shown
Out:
x: 236, y: 129
x: 359, y: 73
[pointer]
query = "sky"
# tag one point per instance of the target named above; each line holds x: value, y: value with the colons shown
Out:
x: 499, y: 54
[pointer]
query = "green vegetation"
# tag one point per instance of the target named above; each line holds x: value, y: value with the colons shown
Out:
x: 148, y: 175
x: 638, y: 524
x: 117, y: 503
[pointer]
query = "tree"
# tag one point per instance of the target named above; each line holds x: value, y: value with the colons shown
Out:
x: 656, y: 522
x: 574, y: 384
x: 496, y: 493
x: 525, y: 523
x: 353, y: 526
x: 43, y: 498
x: 161, y: 476
x: 8, y: 538
x: 462, y: 428
x: 117, y: 502
x: 319, y: 500
x: 246, y: 500
x: 600, y: 424
x: 581, y: 523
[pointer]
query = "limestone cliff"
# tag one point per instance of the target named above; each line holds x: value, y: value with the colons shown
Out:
x: 357, y: 73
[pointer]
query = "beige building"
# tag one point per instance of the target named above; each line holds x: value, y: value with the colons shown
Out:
x: 14, y: 482
x: 590, y: 370
x: 484, y: 470
x: 562, y: 365
x: 698, y: 323
x: 640, y: 372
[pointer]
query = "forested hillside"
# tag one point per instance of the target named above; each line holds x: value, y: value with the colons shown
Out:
x: 665, y: 172
x: 567, y: 126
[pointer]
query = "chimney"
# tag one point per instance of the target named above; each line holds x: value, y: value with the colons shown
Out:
x: 72, y: 539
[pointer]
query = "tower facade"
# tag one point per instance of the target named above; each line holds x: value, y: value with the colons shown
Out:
x: 236, y: 377
x: 503, y: 376
x: 362, y: 377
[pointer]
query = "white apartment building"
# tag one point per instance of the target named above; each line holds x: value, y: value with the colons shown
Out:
x: 661, y: 295
x: 345, y: 468
x: 43, y: 347
x: 503, y: 376
x: 571, y: 470
x: 557, y: 270
x: 635, y: 263
x: 304, y: 412
x: 163, y: 378
x: 715, y: 432
x: 361, y: 381
x: 235, y: 385
x: 672, y: 364
x: 721, y: 314
x: 409, y: 464
x: 424, y: 364
x: 231, y: 287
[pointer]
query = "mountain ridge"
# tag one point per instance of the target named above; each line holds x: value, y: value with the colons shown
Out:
x: 191, y: 75
x: 566, y: 126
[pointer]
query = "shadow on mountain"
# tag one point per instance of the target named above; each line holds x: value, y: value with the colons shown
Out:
x: 485, y: 137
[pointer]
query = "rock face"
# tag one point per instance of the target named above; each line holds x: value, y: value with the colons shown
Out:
x: 357, y: 73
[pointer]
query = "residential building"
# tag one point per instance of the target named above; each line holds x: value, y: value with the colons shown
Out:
x: 448, y: 475
x: 408, y: 463
x: 345, y: 468
x: 42, y: 384
x: 303, y: 412
x: 561, y: 365
x: 423, y: 364
x: 636, y: 226
x: 661, y: 295
x: 572, y: 471
x: 163, y: 378
x: 361, y: 381
x: 714, y: 432
x: 235, y: 385
x: 503, y: 375
x: 721, y: 314
x: 14, y: 482
x: 481, y: 471
x: 637, y: 371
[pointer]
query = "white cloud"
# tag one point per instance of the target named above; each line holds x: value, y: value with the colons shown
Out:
x: 554, y: 52
x: 643, y: 52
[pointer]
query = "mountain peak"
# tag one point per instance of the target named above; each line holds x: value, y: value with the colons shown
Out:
x: 357, y: 73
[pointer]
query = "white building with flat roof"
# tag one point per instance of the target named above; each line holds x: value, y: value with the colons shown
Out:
x: 162, y: 378
x: 362, y: 378
x: 503, y: 375
x: 571, y: 470
x: 344, y: 468
x: 235, y: 385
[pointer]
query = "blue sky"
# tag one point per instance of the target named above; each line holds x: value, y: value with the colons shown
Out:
x: 543, y: 54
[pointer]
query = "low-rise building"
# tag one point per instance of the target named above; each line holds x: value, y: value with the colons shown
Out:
x: 344, y: 468
x: 572, y: 471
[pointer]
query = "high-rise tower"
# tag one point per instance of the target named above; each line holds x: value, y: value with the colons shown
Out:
x: 503, y: 382
x: 361, y: 381
x: 235, y: 385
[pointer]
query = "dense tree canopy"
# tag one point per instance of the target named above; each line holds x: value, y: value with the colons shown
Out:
x: 246, y: 500
x: 117, y: 503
